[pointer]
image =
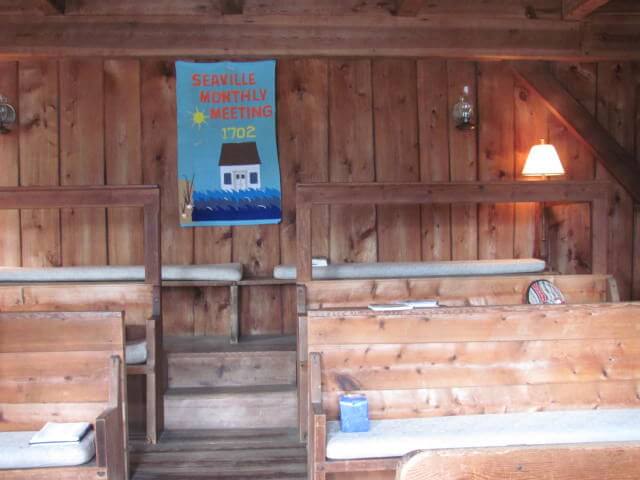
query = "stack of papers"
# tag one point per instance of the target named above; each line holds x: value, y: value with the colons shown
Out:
x: 404, y: 305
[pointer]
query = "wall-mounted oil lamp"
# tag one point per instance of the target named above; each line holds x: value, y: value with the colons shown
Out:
x: 463, y: 112
x: 7, y: 115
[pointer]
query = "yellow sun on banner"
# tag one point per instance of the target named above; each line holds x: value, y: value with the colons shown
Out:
x: 198, y: 118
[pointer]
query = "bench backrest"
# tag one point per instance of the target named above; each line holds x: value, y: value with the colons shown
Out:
x: 460, y: 291
x: 57, y: 366
x: 134, y: 299
x: 466, y: 360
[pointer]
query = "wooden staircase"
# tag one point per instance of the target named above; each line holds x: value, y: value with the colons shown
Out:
x: 216, y: 385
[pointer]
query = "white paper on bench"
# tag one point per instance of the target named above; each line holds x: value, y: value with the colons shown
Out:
x: 394, y: 438
x: 224, y: 272
x: 15, y: 451
x: 416, y: 269
x: 135, y: 352
x: 54, y: 432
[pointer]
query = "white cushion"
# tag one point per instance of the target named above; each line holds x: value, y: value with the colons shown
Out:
x: 135, y: 352
x: 227, y: 272
x: 416, y: 269
x: 394, y: 438
x: 15, y: 451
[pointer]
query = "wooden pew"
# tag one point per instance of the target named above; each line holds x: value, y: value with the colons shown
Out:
x: 451, y: 291
x: 65, y: 367
x: 141, y: 301
x: 468, y: 360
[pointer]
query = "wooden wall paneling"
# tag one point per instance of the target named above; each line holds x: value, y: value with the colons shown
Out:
x: 464, y: 162
x: 530, y: 126
x: 123, y: 157
x: 397, y: 156
x: 616, y: 112
x: 496, y: 156
x: 570, y: 225
x: 258, y: 249
x: 635, y: 288
x: 433, y: 116
x: 303, y: 148
x: 351, y: 158
x: 39, y: 160
x: 10, y: 255
x: 159, y: 154
x: 211, y: 309
x: 83, y: 231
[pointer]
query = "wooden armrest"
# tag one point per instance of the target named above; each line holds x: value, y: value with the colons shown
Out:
x: 110, y: 443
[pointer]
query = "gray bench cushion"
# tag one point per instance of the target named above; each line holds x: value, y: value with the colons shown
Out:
x: 226, y: 272
x: 135, y: 352
x: 340, y: 271
x: 394, y: 438
x: 15, y: 451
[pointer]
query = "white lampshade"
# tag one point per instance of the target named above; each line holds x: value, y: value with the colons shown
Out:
x: 543, y: 160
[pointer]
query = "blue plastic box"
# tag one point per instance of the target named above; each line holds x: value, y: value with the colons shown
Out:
x: 354, y: 413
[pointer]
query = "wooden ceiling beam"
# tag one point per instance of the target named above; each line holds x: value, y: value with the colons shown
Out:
x: 577, y: 119
x: 408, y: 8
x: 580, y: 9
x: 287, y: 35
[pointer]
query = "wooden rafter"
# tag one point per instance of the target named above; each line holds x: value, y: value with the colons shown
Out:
x: 580, y: 9
x: 578, y: 120
x: 408, y: 8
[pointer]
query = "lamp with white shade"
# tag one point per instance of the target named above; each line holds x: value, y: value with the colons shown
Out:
x: 543, y: 161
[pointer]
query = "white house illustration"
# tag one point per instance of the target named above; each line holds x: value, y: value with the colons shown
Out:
x: 239, y: 166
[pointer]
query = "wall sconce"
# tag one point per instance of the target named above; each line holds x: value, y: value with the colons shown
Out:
x: 463, y: 114
x: 543, y: 161
x: 7, y: 115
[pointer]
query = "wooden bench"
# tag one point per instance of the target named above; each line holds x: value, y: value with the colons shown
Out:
x: 65, y: 367
x: 141, y: 301
x: 467, y: 360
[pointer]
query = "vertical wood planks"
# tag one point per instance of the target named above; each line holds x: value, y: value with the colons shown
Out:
x: 82, y: 158
x: 351, y: 158
x: 123, y: 159
x: 616, y: 113
x: 570, y: 225
x: 530, y: 126
x: 38, y: 87
x: 397, y: 158
x: 464, y: 163
x: 496, y: 156
x: 303, y: 150
x: 159, y: 160
x: 10, y: 255
x: 433, y: 115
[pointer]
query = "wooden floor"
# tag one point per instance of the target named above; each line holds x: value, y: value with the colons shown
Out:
x: 221, y: 455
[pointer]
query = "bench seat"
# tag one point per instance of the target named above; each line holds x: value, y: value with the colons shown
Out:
x: 395, y: 438
x: 225, y: 272
x: 16, y: 453
x: 340, y: 271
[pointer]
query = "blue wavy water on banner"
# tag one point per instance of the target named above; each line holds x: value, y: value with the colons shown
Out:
x: 228, y: 170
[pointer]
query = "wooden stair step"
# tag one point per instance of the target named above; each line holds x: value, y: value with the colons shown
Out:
x: 262, y: 406
x: 227, y: 369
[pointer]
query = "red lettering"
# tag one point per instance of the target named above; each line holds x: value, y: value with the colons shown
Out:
x: 195, y: 80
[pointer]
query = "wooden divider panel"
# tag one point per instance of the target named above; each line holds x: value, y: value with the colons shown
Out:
x: 56, y: 365
x: 453, y: 291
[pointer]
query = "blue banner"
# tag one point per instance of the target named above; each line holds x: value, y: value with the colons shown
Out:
x: 228, y: 171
